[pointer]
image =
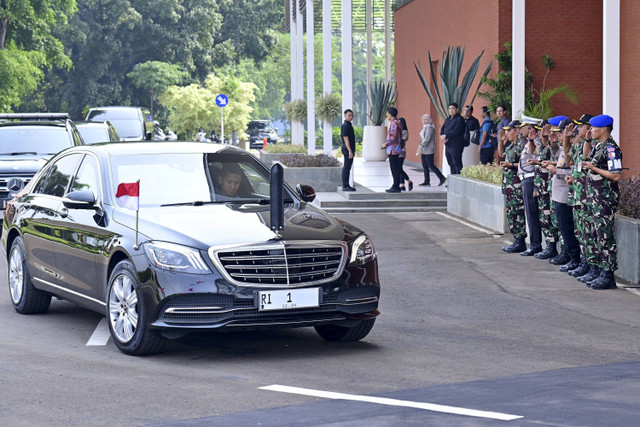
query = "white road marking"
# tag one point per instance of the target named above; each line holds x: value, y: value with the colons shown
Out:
x: 392, y: 402
x: 101, y: 335
x: 466, y: 223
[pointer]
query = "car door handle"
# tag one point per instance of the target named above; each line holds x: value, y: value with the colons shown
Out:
x: 64, y: 212
x: 26, y: 206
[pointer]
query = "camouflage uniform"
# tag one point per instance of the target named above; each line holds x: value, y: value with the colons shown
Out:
x: 603, y: 196
x: 577, y: 198
x: 542, y: 185
x: 512, y: 189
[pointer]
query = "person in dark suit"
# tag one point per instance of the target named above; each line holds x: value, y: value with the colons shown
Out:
x: 452, y: 135
x: 348, y: 149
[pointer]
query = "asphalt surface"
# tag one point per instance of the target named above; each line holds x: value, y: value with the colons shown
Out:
x: 463, y: 325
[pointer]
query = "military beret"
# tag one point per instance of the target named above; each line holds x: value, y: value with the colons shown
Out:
x: 512, y: 125
x: 601, y: 121
x: 583, y: 120
x: 555, y: 121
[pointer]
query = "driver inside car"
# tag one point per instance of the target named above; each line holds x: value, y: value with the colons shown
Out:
x: 230, y: 179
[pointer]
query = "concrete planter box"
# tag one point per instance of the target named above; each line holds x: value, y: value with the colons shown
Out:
x: 270, y: 158
x: 628, y: 242
x: 321, y: 179
x: 478, y: 202
x: 372, y: 139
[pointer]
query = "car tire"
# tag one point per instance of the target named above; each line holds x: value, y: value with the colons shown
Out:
x: 126, y: 315
x: 344, y: 333
x: 26, y: 299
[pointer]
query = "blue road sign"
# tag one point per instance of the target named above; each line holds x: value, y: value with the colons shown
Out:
x: 222, y: 100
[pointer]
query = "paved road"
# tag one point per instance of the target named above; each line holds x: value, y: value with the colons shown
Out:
x: 468, y: 336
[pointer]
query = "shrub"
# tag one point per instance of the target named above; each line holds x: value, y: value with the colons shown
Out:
x: 489, y: 173
x: 296, y: 110
x: 285, y: 148
x: 630, y: 197
x: 308, y: 160
x: 328, y: 107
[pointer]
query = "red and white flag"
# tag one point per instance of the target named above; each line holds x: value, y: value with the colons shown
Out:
x: 128, y: 195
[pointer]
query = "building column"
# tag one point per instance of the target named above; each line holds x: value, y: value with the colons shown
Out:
x: 299, y: 126
x: 387, y: 40
x: 611, y: 63
x: 369, y: 26
x: 311, y: 97
x: 347, y: 55
x: 292, y: 51
x: 517, y: 64
x: 326, y: 69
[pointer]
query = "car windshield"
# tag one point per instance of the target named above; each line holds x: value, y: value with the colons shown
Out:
x: 93, y: 134
x: 126, y: 121
x: 33, y: 139
x: 193, y: 178
x: 260, y: 126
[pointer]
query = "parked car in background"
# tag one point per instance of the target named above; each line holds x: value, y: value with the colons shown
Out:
x: 258, y: 130
x: 95, y: 132
x: 27, y: 141
x: 132, y: 123
x: 200, y: 254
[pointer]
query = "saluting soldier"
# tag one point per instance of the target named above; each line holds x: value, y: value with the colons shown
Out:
x: 509, y: 149
x: 541, y: 183
x: 526, y: 172
x: 603, y: 194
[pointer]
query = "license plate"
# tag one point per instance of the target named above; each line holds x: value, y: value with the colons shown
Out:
x: 288, y: 298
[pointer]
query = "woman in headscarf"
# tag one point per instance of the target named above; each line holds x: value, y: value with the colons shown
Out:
x: 427, y: 149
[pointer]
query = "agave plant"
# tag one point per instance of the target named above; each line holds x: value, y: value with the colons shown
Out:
x: 383, y: 96
x: 448, y: 72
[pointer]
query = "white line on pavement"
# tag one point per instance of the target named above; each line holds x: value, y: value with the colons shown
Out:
x: 392, y: 402
x: 465, y: 223
x: 101, y: 335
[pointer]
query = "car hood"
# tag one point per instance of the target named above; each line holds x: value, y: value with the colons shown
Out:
x: 228, y: 224
x: 23, y: 164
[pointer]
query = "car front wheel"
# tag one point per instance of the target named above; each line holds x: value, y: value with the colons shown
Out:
x: 127, y: 319
x: 346, y: 334
x: 26, y: 299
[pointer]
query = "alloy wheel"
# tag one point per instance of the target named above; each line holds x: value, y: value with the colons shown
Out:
x: 123, y: 308
x: 16, y: 275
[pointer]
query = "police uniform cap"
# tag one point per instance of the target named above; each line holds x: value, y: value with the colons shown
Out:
x: 555, y: 121
x: 563, y: 124
x: 541, y: 125
x: 512, y: 125
x: 583, y: 120
x: 601, y: 121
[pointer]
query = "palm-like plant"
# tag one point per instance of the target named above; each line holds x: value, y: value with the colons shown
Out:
x: 542, y: 106
x: 383, y: 96
x: 448, y: 72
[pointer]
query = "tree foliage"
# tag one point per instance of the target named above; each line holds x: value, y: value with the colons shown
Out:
x: 192, y: 107
x: 156, y: 76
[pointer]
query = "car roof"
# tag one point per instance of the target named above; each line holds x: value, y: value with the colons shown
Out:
x: 82, y: 123
x: 33, y: 123
x: 156, y: 147
x: 118, y: 107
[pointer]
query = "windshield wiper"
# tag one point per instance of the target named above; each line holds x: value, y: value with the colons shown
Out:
x: 194, y: 203
x: 19, y: 153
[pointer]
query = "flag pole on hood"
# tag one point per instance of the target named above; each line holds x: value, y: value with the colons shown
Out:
x: 128, y: 196
x: 136, y: 246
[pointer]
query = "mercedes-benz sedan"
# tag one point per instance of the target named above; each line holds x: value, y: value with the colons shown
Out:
x: 168, y: 238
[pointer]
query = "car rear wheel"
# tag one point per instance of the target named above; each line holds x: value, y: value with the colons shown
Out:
x: 26, y: 299
x: 127, y: 318
x: 344, y: 333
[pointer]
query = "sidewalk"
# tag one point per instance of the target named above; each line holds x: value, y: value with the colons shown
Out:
x: 376, y: 176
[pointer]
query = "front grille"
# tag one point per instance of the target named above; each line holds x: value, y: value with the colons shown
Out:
x: 4, y: 183
x: 281, y: 264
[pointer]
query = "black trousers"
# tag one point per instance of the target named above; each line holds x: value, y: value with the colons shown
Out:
x: 403, y: 174
x: 453, y: 152
x: 346, y: 169
x: 486, y: 155
x: 395, y: 164
x: 564, y: 214
x: 531, y: 211
x: 429, y: 165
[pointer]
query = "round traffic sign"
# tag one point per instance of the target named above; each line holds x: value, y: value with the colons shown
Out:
x: 222, y: 100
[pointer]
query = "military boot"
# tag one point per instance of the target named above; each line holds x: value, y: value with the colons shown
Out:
x: 518, y: 246
x: 574, y: 263
x: 580, y: 270
x: 560, y: 259
x: 549, y: 252
x: 604, y: 281
x: 533, y: 249
x: 510, y: 246
x: 593, y: 273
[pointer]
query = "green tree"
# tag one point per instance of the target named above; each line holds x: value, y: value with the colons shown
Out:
x: 156, y: 76
x: 28, y: 47
x: 194, y: 106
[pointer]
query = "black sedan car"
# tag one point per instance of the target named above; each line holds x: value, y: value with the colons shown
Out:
x: 168, y: 238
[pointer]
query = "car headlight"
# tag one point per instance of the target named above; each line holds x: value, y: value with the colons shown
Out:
x: 362, y: 250
x: 176, y: 258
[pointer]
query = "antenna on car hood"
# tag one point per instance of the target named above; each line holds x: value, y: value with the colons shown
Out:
x: 276, y: 184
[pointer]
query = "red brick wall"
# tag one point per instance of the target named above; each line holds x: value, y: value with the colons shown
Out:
x: 422, y: 26
x: 629, y: 87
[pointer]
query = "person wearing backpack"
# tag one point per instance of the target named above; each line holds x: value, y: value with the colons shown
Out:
x: 486, y: 147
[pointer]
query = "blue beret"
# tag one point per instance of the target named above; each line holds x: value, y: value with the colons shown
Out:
x: 555, y: 121
x: 601, y: 121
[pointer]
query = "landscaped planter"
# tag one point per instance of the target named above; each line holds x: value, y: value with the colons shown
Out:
x: 628, y: 242
x: 326, y: 178
x: 269, y: 158
x: 478, y: 202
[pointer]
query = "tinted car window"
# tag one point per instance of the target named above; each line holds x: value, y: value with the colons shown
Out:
x: 262, y: 126
x: 127, y: 122
x: 189, y: 177
x: 94, y: 134
x: 34, y: 139
x: 88, y: 177
x: 60, y: 174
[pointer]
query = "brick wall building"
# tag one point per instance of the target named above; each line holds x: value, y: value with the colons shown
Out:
x: 570, y: 30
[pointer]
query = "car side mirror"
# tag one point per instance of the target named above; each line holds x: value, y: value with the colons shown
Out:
x: 306, y: 192
x: 80, y: 200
